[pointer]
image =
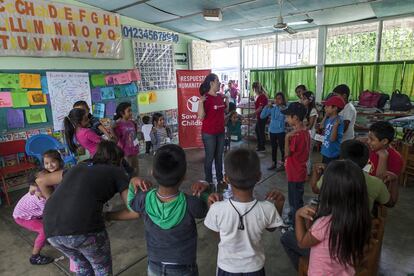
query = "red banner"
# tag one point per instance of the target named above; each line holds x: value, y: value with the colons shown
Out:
x: 189, y: 126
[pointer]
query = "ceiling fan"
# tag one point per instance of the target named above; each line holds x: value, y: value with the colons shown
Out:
x: 280, y: 25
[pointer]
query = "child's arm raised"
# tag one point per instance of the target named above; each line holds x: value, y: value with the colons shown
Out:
x: 125, y: 214
x: 105, y: 131
x: 45, y: 182
x: 278, y: 199
x: 201, y: 112
x: 334, y: 134
x: 304, y: 236
x: 317, y: 171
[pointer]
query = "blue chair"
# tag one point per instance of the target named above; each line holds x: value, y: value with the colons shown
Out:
x: 38, y: 144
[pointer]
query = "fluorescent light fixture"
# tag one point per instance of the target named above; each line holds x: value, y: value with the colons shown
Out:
x: 212, y: 14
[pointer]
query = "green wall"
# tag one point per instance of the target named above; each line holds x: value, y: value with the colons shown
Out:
x: 167, y: 99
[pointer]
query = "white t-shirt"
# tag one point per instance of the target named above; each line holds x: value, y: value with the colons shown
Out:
x: 313, y: 112
x: 241, y: 251
x: 146, y: 130
x: 349, y: 114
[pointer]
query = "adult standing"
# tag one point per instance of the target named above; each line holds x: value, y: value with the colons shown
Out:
x: 73, y: 215
x: 211, y: 110
x: 260, y: 102
x: 349, y: 112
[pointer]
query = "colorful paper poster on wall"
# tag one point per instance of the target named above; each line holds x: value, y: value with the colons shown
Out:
x: 29, y: 80
x: 107, y: 93
x: 20, y: 99
x: 152, y: 96
x: 189, y: 126
x: 110, y: 109
x: 42, y: 28
x: 35, y: 116
x: 119, y: 92
x: 98, y: 80
x: 143, y: 98
x: 43, y: 82
x: 96, y: 94
x: 155, y: 62
x: 99, y: 110
x: 130, y: 89
x: 37, y: 98
x: 65, y: 88
x: 6, y: 99
x: 9, y: 80
x: 15, y: 118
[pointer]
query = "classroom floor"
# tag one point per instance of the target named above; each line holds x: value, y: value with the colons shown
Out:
x: 128, y: 242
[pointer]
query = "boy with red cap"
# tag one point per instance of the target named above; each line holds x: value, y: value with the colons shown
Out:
x: 333, y: 126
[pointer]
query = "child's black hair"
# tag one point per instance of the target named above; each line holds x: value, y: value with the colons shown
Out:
x: 242, y: 168
x: 344, y: 197
x: 169, y: 165
x: 205, y: 86
x: 108, y: 153
x: 342, y: 89
x: 283, y: 97
x: 301, y: 87
x: 383, y: 130
x: 232, y: 107
x: 155, y: 118
x: 120, y: 109
x: 146, y: 119
x: 70, y: 123
x: 355, y: 151
x: 55, y: 155
x: 81, y: 103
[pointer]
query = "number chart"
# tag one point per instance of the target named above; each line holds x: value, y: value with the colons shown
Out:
x: 155, y: 61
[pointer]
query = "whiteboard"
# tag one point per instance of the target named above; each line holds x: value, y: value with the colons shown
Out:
x: 66, y: 88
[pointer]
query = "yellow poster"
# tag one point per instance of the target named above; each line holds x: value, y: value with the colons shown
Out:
x: 29, y: 81
x: 37, y: 98
x: 143, y: 98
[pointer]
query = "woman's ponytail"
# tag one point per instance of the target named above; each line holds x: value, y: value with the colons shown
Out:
x: 70, y: 123
x: 205, y: 86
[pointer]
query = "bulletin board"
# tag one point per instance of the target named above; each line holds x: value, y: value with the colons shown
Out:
x: 32, y: 114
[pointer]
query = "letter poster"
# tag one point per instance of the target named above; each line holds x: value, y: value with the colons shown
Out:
x: 189, y: 126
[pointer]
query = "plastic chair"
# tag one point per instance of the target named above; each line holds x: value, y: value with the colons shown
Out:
x: 38, y: 144
x: 22, y: 164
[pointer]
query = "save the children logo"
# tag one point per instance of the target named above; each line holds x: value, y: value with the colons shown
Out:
x: 192, y: 104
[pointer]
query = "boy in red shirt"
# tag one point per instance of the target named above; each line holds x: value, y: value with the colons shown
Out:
x: 383, y: 157
x: 297, y: 145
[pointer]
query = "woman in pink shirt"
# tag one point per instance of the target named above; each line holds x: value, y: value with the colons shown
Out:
x: 341, y: 224
x: 77, y: 126
x: 211, y: 110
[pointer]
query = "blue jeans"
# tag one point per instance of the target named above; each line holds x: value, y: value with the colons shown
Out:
x: 90, y: 252
x: 290, y: 244
x: 160, y: 269
x: 295, y: 196
x: 214, y: 148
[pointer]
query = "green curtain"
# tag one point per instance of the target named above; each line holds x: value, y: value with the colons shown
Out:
x: 294, y: 77
x: 284, y: 80
x: 343, y: 74
x: 408, y: 80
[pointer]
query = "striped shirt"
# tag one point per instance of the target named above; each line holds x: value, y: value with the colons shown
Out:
x: 29, y: 207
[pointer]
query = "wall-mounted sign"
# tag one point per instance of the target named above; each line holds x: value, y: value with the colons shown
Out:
x: 41, y: 28
x: 154, y: 35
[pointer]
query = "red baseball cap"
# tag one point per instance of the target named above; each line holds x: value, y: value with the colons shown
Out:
x: 335, y: 101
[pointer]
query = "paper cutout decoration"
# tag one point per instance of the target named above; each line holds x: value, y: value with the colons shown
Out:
x: 135, y: 75
x: 121, y: 78
x: 45, y: 88
x: 107, y: 93
x: 6, y: 99
x: 130, y: 89
x: 99, y: 110
x: 35, y: 116
x: 20, y: 100
x: 143, y: 98
x: 9, y: 80
x: 98, y: 80
x: 152, y: 96
x: 119, y: 92
x: 96, y: 94
x: 37, y: 98
x: 15, y: 118
x: 110, y: 109
x: 29, y: 80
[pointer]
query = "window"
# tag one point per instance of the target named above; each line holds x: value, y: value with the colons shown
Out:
x: 225, y: 60
x: 397, y: 41
x: 259, y: 52
x: 298, y: 49
x: 349, y: 44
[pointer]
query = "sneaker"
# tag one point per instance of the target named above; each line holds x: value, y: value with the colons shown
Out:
x: 280, y: 168
x: 40, y: 260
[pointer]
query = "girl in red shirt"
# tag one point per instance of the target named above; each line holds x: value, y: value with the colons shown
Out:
x: 211, y: 111
x: 260, y: 102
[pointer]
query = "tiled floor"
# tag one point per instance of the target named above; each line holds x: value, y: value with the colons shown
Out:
x: 128, y: 243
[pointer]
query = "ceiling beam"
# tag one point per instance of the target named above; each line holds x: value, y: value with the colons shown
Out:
x: 130, y: 5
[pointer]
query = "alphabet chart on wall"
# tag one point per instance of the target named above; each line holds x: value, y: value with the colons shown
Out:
x: 156, y: 63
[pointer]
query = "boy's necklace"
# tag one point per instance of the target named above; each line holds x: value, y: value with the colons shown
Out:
x: 168, y: 196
